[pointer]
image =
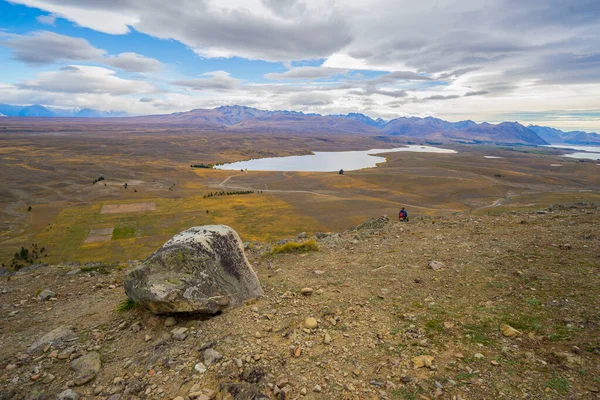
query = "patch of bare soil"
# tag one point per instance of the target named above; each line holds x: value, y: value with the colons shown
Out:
x: 127, y: 208
x: 389, y: 324
x: 99, y: 235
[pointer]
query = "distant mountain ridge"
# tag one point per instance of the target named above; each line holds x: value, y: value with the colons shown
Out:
x: 37, y: 110
x: 556, y: 136
x: 248, y: 119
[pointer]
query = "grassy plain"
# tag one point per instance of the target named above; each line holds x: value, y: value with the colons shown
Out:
x: 50, y: 165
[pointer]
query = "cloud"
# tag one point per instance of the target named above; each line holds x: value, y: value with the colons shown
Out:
x: 306, y: 73
x: 85, y: 79
x: 440, y: 97
x: 476, y: 93
x: 133, y: 62
x: 46, y: 19
x: 217, y: 80
x: 266, y: 31
x: 499, y: 56
x: 44, y: 47
x: 311, y: 99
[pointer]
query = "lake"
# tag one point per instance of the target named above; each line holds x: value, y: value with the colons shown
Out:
x: 327, y: 161
x: 592, y: 152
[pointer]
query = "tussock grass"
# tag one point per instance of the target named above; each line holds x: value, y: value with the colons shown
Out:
x: 126, y: 305
x: 293, y: 247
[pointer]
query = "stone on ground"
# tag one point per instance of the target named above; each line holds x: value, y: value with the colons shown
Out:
x: 46, y: 294
x: 57, y: 337
x: 508, y: 331
x: 86, y: 368
x: 211, y: 356
x: 200, y: 270
x: 436, y: 265
x: 423, y: 361
x: 68, y: 394
x: 310, y: 323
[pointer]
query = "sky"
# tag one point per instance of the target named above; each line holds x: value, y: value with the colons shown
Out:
x: 533, y: 61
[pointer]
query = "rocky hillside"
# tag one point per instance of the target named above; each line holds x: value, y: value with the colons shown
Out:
x: 462, y: 307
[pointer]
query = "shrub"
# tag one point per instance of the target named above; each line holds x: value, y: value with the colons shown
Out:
x: 293, y: 247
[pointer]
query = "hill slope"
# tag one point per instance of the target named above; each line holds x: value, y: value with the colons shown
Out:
x: 378, y: 307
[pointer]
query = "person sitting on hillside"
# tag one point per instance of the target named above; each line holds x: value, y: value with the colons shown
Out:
x: 403, y: 215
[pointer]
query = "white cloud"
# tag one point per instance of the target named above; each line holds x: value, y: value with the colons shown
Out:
x: 249, y: 29
x: 133, y: 62
x: 307, y: 73
x: 44, y: 47
x: 216, y: 80
x: 85, y: 79
x: 46, y: 19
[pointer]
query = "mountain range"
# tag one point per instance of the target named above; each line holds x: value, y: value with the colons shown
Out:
x: 36, y: 110
x: 556, y: 136
x: 247, y: 119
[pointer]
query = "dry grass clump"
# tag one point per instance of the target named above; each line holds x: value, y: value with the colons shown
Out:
x: 293, y: 247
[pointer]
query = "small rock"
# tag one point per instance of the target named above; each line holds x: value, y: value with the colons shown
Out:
x: 478, y: 356
x: 317, y: 389
x: 170, y: 321
x: 200, y: 368
x: 57, y: 337
x: 448, y: 324
x: 423, y: 361
x: 10, y: 367
x: 147, y: 338
x: 494, y: 363
x: 86, y: 368
x: 303, y: 391
x: 46, y: 294
x: 327, y: 338
x: 136, y: 327
x: 211, y: 356
x: 509, y: 331
x: 307, y: 291
x: 436, y: 265
x: 68, y: 394
x: 310, y: 323
x: 123, y: 325
x: 179, y: 333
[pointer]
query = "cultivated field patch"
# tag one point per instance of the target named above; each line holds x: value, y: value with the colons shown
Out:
x: 127, y: 208
x: 99, y: 235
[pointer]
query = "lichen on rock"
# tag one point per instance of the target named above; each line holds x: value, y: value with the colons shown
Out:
x: 200, y: 270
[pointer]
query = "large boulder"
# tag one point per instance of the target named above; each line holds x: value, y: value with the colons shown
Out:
x: 200, y: 270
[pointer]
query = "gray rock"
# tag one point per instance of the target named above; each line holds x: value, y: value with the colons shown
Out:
x: 211, y: 356
x: 200, y: 270
x: 170, y: 321
x: 322, y: 235
x: 180, y: 333
x: 5, y: 271
x: 86, y: 368
x: 46, y: 294
x: 30, y: 268
x: 200, y: 368
x: 436, y: 265
x: 302, y: 235
x: 58, y: 338
x: 68, y: 394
